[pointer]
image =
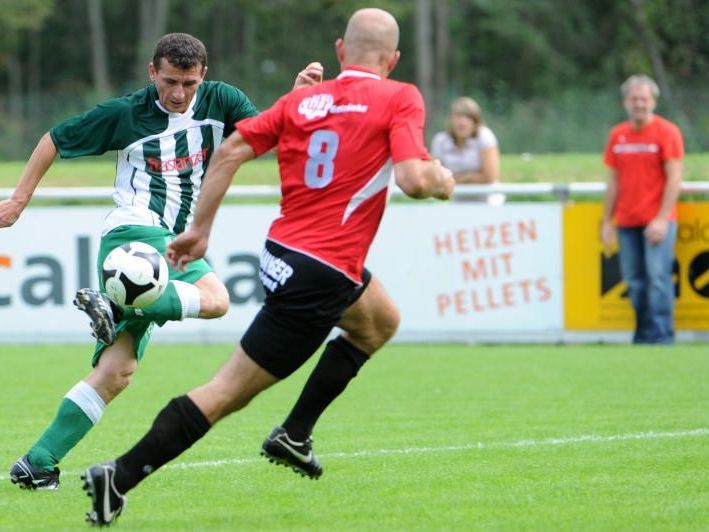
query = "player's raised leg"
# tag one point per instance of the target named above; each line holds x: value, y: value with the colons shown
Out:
x: 201, y: 294
x: 195, y: 292
x: 367, y: 324
x: 114, y: 367
x: 207, y: 298
x: 103, y: 313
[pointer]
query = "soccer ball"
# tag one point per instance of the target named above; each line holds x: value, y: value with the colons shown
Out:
x: 135, y: 275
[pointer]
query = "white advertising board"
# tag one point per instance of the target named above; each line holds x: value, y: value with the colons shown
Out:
x: 455, y: 270
x: 460, y: 270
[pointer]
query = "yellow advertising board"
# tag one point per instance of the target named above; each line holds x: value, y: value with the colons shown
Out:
x: 595, y: 296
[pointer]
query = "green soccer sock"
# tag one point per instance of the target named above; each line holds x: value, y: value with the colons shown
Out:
x: 180, y: 300
x: 80, y: 410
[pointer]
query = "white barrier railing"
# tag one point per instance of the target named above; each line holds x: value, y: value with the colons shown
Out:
x: 561, y: 191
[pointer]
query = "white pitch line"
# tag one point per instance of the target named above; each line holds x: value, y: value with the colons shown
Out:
x: 518, y: 444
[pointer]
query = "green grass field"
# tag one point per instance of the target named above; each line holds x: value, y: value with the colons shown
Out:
x: 515, y: 168
x: 426, y: 438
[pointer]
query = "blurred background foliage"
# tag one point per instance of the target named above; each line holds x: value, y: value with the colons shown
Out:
x: 546, y: 72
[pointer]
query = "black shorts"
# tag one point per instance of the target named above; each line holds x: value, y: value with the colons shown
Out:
x: 305, y: 299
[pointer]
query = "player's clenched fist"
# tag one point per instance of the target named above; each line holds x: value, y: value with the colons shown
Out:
x: 188, y: 246
x: 310, y: 75
x: 445, y: 180
x: 10, y: 211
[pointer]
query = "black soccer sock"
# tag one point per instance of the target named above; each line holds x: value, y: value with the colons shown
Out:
x: 337, y: 366
x: 179, y: 425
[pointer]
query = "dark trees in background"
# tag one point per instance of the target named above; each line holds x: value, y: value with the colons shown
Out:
x: 529, y: 63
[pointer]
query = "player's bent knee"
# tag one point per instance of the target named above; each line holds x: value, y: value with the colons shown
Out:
x: 221, y: 305
x: 121, y: 377
x: 110, y: 382
x: 215, y: 303
x: 122, y: 381
x: 385, y: 326
x: 390, y: 324
x: 371, y: 340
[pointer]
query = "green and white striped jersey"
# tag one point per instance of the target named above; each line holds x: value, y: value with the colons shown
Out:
x: 162, y: 156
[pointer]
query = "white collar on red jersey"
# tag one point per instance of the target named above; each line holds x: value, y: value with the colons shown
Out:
x: 351, y: 73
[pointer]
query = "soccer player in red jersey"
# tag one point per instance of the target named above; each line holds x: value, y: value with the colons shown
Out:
x: 338, y: 144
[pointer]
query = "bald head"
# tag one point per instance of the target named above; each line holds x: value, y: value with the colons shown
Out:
x: 372, y: 34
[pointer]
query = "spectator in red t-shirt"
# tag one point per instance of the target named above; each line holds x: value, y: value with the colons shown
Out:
x: 644, y: 156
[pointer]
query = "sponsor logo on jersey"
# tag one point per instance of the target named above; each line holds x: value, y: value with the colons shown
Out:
x: 315, y: 106
x: 349, y: 108
x: 179, y: 163
x: 319, y: 105
x: 636, y: 148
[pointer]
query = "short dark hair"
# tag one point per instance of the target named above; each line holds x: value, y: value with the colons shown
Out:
x: 181, y: 50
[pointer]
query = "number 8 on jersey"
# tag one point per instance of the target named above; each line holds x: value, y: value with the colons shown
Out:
x: 322, y: 149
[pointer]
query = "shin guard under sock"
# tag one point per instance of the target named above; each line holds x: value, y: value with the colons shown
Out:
x: 176, y: 428
x: 337, y: 366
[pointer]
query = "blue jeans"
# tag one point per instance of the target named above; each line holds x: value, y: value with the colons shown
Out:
x: 647, y: 270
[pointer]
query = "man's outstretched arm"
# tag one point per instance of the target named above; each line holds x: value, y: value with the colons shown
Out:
x: 39, y: 162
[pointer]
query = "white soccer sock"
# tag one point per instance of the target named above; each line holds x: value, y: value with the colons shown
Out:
x: 88, y: 399
x: 189, y: 297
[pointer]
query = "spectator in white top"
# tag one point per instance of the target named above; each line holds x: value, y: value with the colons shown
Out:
x: 467, y: 147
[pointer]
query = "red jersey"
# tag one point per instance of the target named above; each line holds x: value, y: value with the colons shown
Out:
x: 337, y: 143
x: 639, y: 156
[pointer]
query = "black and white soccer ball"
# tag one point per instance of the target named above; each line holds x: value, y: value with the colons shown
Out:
x: 135, y: 275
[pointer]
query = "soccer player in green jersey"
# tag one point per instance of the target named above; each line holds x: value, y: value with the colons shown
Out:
x: 164, y: 136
